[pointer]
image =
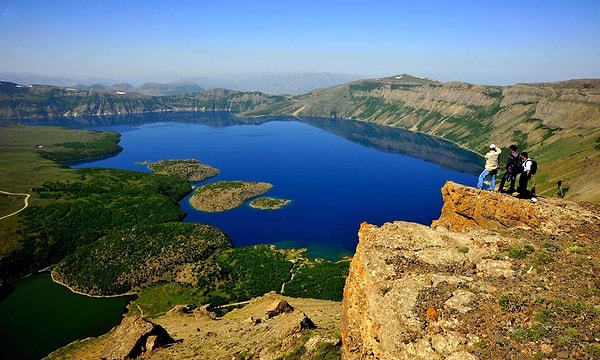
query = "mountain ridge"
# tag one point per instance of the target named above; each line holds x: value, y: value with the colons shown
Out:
x: 149, y: 88
x: 554, y: 122
x: 277, y: 84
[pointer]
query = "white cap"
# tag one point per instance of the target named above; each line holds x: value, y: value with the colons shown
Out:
x: 493, y: 146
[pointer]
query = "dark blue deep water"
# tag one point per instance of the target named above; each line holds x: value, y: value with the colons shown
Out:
x: 338, y: 173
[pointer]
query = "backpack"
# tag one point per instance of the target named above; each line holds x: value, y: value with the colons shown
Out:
x: 515, y: 163
x: 533, y: 168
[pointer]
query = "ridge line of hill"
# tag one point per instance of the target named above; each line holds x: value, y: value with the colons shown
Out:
x: 555, y: 122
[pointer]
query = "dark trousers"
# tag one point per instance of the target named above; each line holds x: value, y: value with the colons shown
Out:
x: 508, y: 176
x: 522, y: 189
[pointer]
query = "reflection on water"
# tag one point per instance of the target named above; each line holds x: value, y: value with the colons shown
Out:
x: 404, y: 142
x: 382, y: 138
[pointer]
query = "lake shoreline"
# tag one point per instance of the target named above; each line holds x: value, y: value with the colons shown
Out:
x: 84, y: 294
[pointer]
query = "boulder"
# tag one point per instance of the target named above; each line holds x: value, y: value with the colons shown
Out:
x: 278, y: 307
x: 133, y: 337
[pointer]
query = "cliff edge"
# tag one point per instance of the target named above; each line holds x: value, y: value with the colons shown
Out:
x: 494, y: 277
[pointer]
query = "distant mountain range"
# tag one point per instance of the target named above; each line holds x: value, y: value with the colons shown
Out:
x: 149, y: 88
x: 292, y: 84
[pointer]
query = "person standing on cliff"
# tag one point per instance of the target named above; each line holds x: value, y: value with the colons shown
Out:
x: 513, y: 168
x: 491, y: 167
x: 525, y: 175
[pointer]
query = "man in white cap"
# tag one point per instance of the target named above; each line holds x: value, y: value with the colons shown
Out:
x: 491, y: 167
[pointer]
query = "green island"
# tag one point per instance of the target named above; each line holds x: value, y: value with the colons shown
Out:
x: 226, y: 195
x: 269, y: 203
x: 100, y: 233
x: 189, y: 169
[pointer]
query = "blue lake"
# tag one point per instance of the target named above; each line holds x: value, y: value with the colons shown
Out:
x: 334, y: 182
x: 338, y: 173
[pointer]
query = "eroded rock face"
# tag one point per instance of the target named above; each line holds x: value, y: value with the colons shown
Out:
x: 135, y: 336
x: 454, y: 290
x: 467, y: 208
x: 382, y: 311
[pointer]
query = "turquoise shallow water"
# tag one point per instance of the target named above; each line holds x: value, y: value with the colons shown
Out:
x: 338, y: 173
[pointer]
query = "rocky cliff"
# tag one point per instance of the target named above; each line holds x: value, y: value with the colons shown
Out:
x: 494, y: 277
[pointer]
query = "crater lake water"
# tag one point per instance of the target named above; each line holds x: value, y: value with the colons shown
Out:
x: 338, y: 173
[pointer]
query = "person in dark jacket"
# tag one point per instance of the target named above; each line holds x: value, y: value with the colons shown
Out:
x: 513, y: 168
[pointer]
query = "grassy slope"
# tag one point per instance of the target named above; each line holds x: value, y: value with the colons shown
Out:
x: 68, y: 207
x: 23, y: 168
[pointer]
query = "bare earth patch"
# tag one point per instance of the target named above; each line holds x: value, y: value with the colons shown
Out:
x: 308, y: 328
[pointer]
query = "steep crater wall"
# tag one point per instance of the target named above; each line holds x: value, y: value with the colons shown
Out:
x: 488, y: 274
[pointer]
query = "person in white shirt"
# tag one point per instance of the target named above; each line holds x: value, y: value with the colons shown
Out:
x: 491, y: 167
x: 525, y: 175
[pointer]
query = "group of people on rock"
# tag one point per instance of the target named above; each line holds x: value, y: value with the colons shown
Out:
x: 517, y: 165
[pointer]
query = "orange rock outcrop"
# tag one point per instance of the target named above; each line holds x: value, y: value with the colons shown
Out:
x: 432, y: 292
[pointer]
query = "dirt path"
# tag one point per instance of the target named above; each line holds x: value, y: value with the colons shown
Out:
x: 18, y: 211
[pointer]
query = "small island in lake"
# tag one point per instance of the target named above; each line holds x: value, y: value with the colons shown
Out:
x: 226, y: 195
x: 269, y: 203
x: 189, y: 169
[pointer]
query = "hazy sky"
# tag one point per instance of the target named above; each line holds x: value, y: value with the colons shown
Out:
x: 481, y: 41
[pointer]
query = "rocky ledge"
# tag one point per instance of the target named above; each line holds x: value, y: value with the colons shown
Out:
x: 268, y: 327
x: 494, y: 277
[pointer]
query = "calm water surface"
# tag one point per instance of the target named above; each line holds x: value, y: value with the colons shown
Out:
x: 338, y: 173
x: 334, y: 182
x: 38, y: 316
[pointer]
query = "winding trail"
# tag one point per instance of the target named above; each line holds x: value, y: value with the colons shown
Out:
x: 18, y: 211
